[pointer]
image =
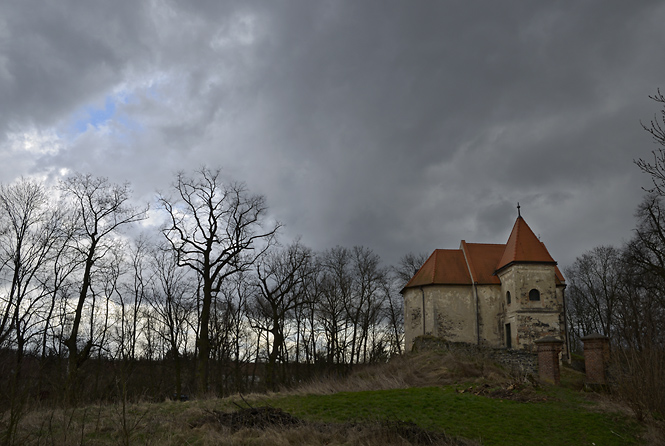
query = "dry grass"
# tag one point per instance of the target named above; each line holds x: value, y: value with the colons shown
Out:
x: 654, y: 434
x: 637, y: 380
x: 422, y: 369
x: 191, y: 423
x: 175, y: 423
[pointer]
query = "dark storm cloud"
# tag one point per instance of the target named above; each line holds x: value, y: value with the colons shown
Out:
x: 404, y: 126
x: 57, y: 54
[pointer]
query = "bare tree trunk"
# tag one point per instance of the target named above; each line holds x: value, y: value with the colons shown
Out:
x: 101, y: 208
x: 220, y: 235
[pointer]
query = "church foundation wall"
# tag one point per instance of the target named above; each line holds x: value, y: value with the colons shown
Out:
x: 519, y: 362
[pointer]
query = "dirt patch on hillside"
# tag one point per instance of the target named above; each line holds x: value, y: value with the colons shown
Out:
x: 257, y: 418
x: 252, y: 421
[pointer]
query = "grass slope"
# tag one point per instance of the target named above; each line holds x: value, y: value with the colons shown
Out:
x: 569, y: 421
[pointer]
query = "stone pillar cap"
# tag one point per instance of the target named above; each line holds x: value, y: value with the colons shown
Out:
x: 593, y: 336
x: 549, y: 340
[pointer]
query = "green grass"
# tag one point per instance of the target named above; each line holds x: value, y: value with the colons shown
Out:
x: 568, y: 420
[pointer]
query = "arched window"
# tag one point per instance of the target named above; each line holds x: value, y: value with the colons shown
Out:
x: 508, y: 297
x: 534, y: 294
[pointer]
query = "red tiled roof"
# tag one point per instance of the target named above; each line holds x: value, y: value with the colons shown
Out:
x: 444, y: 267
x: 482, y: 259
x: 524, y: 246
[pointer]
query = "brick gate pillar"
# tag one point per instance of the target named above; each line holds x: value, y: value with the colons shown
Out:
x: 549, y: 348
x: 596, y: 357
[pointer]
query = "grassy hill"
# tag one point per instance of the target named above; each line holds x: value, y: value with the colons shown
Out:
x: 425, y: 398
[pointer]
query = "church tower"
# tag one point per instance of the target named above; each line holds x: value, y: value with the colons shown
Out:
x: 532, y: 290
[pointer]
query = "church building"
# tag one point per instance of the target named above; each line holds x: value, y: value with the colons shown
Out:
x: 488, y: 294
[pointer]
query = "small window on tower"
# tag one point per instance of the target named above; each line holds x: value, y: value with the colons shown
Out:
x: 534, y: 294
x: 508, y: 297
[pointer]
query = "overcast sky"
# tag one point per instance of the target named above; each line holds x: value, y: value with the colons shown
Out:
x: 398, y: 125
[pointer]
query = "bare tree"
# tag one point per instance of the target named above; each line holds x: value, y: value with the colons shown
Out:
x: 239, y: 336
x: 102, y: 208
x: 641, y: 311
x: 132, y: 293
x: 400, y: 274
x: 308, y: 331
x: 595, y: 287
x: 216, y: 230
x: 647, y: 248
x: 407, y: 267
x: 279, y: 285
x: 645, y: 278
x: 394, y: 315
x: 364, y: 309
x: 656, y: 168
x: 336, y: 289
x: 172, y: 299
x: 26, y: 240
x: 619, y: 293
x: 56, y: 280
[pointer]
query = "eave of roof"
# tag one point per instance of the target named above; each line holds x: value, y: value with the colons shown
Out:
x: 560, y: 280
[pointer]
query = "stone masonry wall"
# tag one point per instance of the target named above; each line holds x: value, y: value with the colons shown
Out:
x: 517, y: 361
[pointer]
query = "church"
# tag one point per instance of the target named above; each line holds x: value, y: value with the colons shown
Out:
x: 491, y: 295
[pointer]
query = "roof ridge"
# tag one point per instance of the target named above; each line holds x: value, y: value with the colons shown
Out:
x: 475, y: 243
x: 517, y: 235
x: 469, y: 263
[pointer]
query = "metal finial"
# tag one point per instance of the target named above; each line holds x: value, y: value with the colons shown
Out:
x: 518, y: 210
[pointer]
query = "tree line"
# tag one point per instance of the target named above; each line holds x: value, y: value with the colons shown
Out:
x: 619, y: 292
x: 95, y: 303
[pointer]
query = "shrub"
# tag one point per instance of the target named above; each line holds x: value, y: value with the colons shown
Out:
x: 638, y: 379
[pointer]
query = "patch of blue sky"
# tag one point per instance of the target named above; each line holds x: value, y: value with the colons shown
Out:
x: 92, y: 116
x: 96, y: 117
x: 153, y: 91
